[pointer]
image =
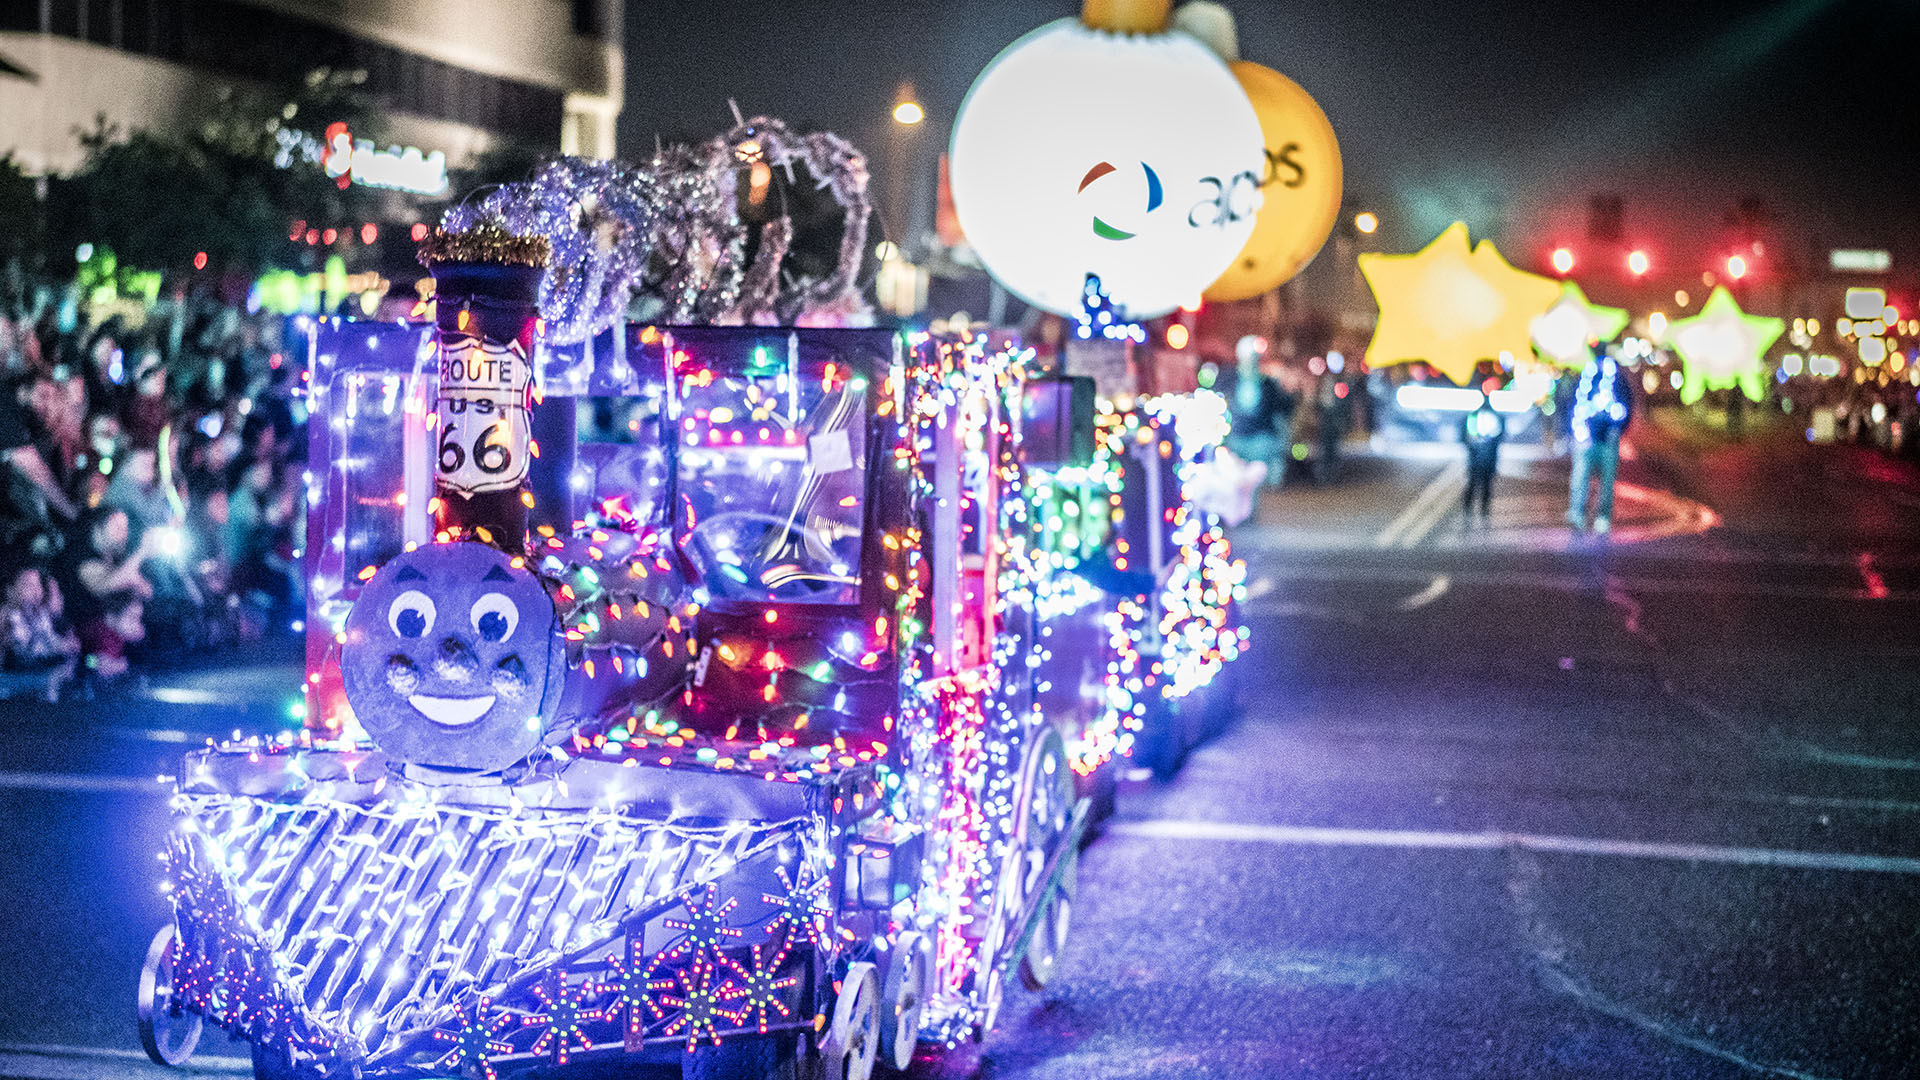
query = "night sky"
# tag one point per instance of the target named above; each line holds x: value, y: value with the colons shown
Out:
x: 1507, y: 115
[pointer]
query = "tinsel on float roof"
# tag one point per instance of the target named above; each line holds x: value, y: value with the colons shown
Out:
x: 484, y: 242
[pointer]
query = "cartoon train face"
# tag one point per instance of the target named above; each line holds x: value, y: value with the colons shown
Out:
x: 453, y: 659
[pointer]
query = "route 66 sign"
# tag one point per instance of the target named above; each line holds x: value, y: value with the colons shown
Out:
x: 483, y: 424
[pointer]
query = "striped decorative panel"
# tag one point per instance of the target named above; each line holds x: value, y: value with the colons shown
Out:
x: 374, y: 921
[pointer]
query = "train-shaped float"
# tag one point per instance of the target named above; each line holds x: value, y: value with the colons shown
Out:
x: 737, y: 696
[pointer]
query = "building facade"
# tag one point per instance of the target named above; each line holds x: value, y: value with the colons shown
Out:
x: 454, y: 79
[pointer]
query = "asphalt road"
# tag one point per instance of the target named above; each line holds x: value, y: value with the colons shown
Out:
x: 1507, y: 802
x: 1503, y: 803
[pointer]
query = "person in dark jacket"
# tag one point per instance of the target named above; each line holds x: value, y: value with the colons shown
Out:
x: 1481, y: 432
x: 1261, y: 412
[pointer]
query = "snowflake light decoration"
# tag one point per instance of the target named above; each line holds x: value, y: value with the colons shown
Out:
x: 802, y: 905
x: 760, y: 983
x: 703, y: 1002
x: 563, y: 1018
x: 633, y: 984
x: 475, y: 1041
x: 705, y: 926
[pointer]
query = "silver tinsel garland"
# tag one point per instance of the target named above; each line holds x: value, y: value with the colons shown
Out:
x: 599, y: 218
x: 699, y: 242
x: 835, y: 166
x: 671, y: 230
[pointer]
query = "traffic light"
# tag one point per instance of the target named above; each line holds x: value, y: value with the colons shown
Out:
x: 1562, y: 260
x: 1637, y: 262
x: 1736, y: 267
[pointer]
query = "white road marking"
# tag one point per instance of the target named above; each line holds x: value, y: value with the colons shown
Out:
x: 1444, y: 504
x: 1440, y: 488
x: 1578, y: 583
x: 1859, y: 761
x: 1319, y: 836
x: 1441, y: 583
x: 82, y: 784
x: 34, y: 1062
x: 1550, y: 953
x: 181, y: 695
x: 159, y: 735
x: 1260, y: 589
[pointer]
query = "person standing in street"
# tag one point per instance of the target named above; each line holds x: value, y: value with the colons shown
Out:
x: 1335, y: 418
x: 1261, y: 411
x: 1602, y: 408
x: 1481, y: 432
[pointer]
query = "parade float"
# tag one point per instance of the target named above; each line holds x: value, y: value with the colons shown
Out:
x: 728, y: 686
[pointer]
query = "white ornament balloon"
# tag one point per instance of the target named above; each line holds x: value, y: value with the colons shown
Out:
x: 1135, y: 157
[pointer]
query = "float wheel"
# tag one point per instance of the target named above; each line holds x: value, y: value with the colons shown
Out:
x: 852, y: 1042
x: 168, y: 1033
x: 908, y: 985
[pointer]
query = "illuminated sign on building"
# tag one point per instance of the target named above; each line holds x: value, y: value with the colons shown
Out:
x: 402, y: 168
x: 1860, y: 260
x: 358, y: 161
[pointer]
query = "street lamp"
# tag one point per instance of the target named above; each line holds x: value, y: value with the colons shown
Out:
x: 1366, y: 221
x: 903, y: 167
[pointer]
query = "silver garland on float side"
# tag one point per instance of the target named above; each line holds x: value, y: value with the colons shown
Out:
x: 670, y: 231
x: 771, y: 295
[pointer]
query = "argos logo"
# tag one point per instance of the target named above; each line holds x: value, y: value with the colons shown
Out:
x: 1231, y: 200
x: 1156, y: 194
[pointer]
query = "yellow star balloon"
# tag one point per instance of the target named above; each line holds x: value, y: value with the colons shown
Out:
x: 1566, y: 332
x: 1723, y: 346
x: 1453, y: 307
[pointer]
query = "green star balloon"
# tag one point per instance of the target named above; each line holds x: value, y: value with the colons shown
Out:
x: 1565, y: 333
x: 1722, y: 346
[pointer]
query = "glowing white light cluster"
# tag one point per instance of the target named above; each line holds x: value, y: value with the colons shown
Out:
x: 313, y: 886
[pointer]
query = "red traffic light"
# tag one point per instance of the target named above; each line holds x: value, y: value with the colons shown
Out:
x: 1637, y: 262
x: 1562, y: 260
x: 1736, y: 267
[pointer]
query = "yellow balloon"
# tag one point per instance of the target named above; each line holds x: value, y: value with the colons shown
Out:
x: 1126, y: 16
x: 1301, y: 187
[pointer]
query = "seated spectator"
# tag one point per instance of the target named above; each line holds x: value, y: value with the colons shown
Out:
x: 57, y: 610
x: 60, y: 415
x: 34, y: 506
x: 147, y: 413
x: 136, y: 489
x: 258, y: 516
x: 121, y: 624
x: 107, y: 584
x: 104, y: 454
x: 175, y: 605
x: 34, y: 642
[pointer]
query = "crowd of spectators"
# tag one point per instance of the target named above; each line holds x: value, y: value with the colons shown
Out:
x: 149, y: 508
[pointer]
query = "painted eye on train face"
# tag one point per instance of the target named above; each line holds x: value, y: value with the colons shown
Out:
x: 411, y: 614
x: 495, y: 617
